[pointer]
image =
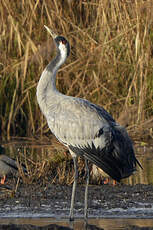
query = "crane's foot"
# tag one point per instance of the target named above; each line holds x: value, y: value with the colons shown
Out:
x: 71, y: 215
x: 3, y: 180
x: 85, y: 217
x: 106, y: 181
x: 71, y: 218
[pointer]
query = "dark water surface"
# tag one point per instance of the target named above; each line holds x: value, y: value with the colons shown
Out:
x: 79, y: 224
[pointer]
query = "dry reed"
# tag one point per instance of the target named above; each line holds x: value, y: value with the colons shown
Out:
x: 110, y: 62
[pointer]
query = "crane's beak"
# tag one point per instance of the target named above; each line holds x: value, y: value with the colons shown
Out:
x: 51, y: 32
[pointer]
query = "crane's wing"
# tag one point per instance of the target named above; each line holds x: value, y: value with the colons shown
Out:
x: 90, y: 131
x: 76, y: 121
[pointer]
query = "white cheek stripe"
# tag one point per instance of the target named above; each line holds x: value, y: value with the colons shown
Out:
x: 63, y: 50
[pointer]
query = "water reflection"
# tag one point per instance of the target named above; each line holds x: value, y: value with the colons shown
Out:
x: 39, y: 153
x: 145, y: 176
x: 94, y: 224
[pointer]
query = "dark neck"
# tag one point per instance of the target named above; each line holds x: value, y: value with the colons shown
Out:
x: 51, y: 70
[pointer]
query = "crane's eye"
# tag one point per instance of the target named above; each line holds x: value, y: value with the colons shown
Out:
x: 64, y: 42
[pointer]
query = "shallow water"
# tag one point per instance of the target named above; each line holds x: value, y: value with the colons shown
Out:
x: 97, y: 224
x: 39, y: 152
x: 136, y: 214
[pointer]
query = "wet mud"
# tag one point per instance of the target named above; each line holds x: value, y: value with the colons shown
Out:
x: 49, y: 200
x: 57, y: 227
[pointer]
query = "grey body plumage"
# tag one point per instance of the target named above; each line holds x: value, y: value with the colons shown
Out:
x: 87, y: 130
x: 8, y: 165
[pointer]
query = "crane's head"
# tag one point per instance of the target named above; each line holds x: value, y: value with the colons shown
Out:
x: 61, y: 43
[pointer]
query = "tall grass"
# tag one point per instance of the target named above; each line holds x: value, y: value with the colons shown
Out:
x: 111, y: 61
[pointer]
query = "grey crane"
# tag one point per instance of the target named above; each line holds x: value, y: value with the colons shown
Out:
x: 86, y: 129
x: 8, y: 166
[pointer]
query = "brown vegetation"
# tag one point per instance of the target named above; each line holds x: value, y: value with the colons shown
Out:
x: 51, y: 163
x: 111, y: 61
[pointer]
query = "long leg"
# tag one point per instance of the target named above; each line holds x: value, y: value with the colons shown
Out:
x: 86, y: 190
x: 75, y: 160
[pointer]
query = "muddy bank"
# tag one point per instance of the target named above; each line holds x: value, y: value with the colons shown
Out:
x: 38, y: 200
x: 57, y: 227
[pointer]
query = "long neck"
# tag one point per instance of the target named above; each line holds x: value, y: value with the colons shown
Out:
x: 46, y: 89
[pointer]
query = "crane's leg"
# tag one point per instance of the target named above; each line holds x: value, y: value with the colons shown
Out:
x: 75, y: 160
x: 86, y: 190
